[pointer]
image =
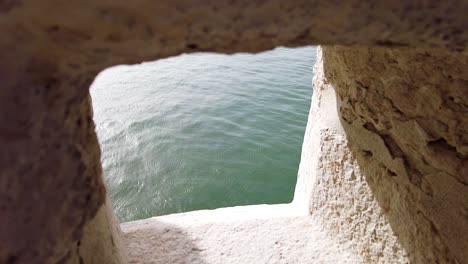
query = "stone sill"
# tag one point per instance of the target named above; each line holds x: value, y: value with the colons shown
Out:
x: 245, y: 234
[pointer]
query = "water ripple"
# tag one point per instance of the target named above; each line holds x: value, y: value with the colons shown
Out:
x: 203, y: 130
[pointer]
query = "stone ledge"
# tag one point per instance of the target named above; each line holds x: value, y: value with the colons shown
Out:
x: 245, y: 234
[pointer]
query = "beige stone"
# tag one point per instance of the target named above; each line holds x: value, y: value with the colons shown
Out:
x: 405, y: 112
x: 102, y: 240
x: 245, y: 234
x: 332, y: 187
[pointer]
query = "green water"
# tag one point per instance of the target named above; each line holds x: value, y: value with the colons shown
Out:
x: 203, y: 131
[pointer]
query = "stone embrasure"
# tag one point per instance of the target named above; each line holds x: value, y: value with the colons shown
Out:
x: 247, y: 234
x: 405, y: 112
x: 390, y: 183
x: 332, y: 187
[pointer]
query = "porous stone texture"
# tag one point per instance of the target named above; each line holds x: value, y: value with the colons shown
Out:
x: 248, y: 234
x: 89, y: 34
x: 50, y: 182
x: 102, y: 240
x: 405, y: 112
x: 331, y: 186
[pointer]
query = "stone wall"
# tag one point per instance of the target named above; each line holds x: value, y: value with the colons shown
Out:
x: 405, y: 112
x: 331, y: 185
x: 396, y: 165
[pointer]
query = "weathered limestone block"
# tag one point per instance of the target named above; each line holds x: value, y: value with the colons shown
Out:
x: 89, y: 33
x: 261, y: 234
x: 102, y: 240
x: 50, y: 183
x: 332, y: 187
x: 405, y: 112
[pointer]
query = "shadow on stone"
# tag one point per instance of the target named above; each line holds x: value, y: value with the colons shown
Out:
x: 152, y: 241
x: 386, y: 117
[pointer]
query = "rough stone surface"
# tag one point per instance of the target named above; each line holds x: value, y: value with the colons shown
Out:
x: 50, y: 182
x: 405, y: 112
x: 248, y: 234
x: 85, y: 34
x: 102, y: 240
x: 332, y: 187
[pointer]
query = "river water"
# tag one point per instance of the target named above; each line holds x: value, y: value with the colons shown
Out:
x: 203, y: 130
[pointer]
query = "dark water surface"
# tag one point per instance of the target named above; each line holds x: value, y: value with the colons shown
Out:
x: 203, y: 130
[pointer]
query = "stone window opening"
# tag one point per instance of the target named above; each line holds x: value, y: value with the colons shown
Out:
x: 239, y: 144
